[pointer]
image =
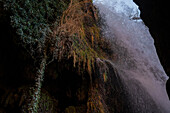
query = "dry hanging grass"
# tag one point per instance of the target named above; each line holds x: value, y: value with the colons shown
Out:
x: 79, y: 34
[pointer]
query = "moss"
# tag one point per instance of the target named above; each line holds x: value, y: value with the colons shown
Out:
x: 70, y: 109
x: 75, y: 109
x: 47, y: 103
x: 16, y: 98
x: 95, y: 102
x: 33, y: 19
x: 105, y: 76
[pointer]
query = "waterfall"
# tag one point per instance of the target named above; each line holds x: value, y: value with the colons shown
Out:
x: 136, y: 60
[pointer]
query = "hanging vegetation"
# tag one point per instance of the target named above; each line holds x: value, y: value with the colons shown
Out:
x: 57, y: 30
x: 80, y: 35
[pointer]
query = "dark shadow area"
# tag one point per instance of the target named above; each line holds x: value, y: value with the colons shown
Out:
x: 13, y: 58
x: 67, y: 85
x: 15, y: 65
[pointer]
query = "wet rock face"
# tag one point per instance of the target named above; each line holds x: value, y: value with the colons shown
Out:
x: 155, y: 15
x: 137, y: 61
x: 122, y: 95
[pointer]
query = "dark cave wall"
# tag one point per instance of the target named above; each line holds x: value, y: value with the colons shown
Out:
x: 155, y: 14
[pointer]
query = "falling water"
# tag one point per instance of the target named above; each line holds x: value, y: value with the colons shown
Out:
x: 136, y: 59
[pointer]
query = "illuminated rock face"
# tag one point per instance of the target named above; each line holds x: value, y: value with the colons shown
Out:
x: 136, y: 60
x: 155, y: 16
x: 125, y: 7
